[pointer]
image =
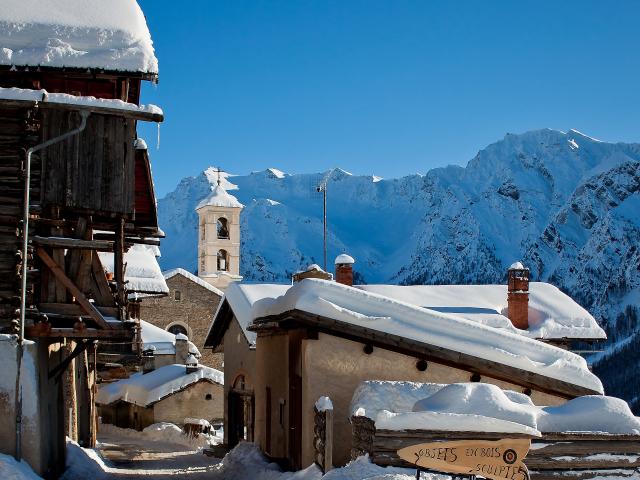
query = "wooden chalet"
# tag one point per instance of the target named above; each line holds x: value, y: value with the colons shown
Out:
x: 72, y: 185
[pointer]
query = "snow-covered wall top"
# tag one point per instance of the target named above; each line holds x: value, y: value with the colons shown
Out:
x: 144, y: 389
x: 109, y: 35
x: 384, y: 314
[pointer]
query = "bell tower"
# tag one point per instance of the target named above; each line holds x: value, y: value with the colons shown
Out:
x: 219, y: 237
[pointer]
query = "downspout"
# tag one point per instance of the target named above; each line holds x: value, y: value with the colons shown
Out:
x: 25, y: 245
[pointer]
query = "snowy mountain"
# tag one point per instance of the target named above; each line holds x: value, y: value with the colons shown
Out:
x: 566, y: 204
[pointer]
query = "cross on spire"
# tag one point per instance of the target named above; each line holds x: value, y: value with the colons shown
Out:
x: 218, y: 171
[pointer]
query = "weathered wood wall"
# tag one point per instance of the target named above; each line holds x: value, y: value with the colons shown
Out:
x: 575, y: 455
x: 93, y: 171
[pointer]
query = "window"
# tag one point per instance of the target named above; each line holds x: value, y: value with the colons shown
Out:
x: 176, y: 328
x: 223, y: 261
x: 208, y: 397
x: 202, y: 231
x: 222, y: 228
x: 202, y: 263
x: 177, y: 295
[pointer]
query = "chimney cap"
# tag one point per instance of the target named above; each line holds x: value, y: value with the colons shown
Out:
x: 191, y: 360
x: 181, y: 336
x: 517, y: 266
x: 344, y: 259
x: 314, y: 266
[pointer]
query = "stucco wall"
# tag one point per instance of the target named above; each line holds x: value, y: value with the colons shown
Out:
x: 194, y: 310
x: 191, y: 402
x: 239, y: 359
x: 333, y: 366
x: 272, y: 371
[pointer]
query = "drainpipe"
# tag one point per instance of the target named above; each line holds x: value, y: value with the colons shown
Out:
x: 25, y: 245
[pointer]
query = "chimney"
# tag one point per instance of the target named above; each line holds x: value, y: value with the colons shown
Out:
x: 148, y: 360
x: 182, y: 348
x: 192, y: 364
x: 344, y: 269
x: 518, y: 295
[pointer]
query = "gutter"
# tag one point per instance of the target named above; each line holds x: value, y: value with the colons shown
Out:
x: 25, y: 246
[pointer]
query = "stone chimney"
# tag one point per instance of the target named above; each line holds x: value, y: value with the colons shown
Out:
x: 518, y: 295
x: 182, y: 348
x: 344, y: 269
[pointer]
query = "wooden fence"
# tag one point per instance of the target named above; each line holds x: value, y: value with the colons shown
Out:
x: 580, y: 456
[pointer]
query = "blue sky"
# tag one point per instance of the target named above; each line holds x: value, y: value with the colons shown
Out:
x: 382, y: 87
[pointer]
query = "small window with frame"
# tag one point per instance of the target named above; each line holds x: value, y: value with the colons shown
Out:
x: 177, y: 295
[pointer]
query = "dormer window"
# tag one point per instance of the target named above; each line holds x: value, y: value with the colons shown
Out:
x: 222, y: 228
x: 223, y: 261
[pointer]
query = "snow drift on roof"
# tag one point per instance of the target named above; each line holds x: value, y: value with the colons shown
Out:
x: 43, y: 96
x: 109, y: 35
x: 175, y: 271
x: 219, y: 198
x: 344, y: 258
x: 142, y: 273
x: 459, y: 406
x: 453, y: 332
x: 144, y: 389
x: 552, y: 314
x: 161, y: 341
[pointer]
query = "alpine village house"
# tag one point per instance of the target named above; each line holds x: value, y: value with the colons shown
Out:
x: 72, y: 185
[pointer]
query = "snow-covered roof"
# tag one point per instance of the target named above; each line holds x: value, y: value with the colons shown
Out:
x: 143, y: 274
x: 109, y: 35
x: 485, y: 407
x: 181, y: 271
x: 145, y: 389
x: 552, y: 314
x: 344, y: 258
x: 43, y: 97
x: 243, y: 299
x: 516, y: 266
x: 161, y: 341
x: 219, y: 197
x: 385, y: 314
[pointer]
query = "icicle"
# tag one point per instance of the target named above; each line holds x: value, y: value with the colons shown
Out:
x: 158, y: 139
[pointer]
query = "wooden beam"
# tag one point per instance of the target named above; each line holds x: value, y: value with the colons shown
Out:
x: 112, y: 334
x: 80, y: 297
x: 74, y: 243
x: 73, y: 310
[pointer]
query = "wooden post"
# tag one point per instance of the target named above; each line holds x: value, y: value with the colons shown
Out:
x: 118, y: 262
x: 323, y: 438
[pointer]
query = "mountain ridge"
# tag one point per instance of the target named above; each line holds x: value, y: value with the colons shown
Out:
x: 563, y: 202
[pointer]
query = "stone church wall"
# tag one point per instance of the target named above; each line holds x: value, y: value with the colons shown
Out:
x: 194, y: 310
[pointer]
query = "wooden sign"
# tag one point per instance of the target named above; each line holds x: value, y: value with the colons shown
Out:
x: 495, y: 459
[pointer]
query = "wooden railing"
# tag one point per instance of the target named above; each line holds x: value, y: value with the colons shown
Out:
x: 580, y: 456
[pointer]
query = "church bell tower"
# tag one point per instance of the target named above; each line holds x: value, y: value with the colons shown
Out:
x: 219, y: 237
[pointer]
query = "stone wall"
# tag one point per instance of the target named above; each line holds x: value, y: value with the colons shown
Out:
x: 194, y: 310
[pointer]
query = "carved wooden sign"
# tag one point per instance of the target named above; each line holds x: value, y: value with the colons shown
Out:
x: 495, y: 459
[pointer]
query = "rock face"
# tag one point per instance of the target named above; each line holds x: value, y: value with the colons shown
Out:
x: 565, y: 204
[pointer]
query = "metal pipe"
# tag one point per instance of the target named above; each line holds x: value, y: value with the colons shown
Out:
x: 25, y: 246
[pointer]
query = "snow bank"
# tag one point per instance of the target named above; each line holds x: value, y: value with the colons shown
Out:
x: 73, y: 33
x: 12, y: 470
x: 485, y: 407
x: 145, y: 389
x: 386, y: 315
x: 142, y: 273
x: 219, y: 198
